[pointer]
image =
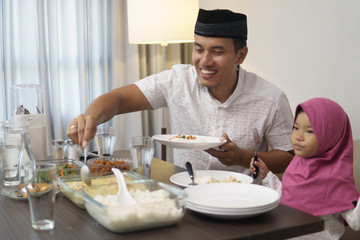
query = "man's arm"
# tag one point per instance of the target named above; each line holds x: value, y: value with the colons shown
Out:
x: 118, y: 101
x: 230, y: 154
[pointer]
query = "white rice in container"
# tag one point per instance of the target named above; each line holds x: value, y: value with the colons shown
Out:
x: 152, y: 209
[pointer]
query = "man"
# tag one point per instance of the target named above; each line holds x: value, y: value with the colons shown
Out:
x: 214, y: 97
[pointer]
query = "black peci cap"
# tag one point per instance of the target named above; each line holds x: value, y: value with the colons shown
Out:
x: 221, y: 23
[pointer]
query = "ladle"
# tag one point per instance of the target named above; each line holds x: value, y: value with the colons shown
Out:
x: 123, y: 195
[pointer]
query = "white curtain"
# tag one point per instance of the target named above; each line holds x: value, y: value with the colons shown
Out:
x: 78, y: 50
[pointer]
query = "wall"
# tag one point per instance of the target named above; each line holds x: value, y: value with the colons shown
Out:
x: 308, y: 48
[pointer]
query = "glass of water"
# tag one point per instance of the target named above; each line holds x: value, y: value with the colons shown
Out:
x: 41, y: 186
x: 142, y: 152
x: 11, y: 151
x: 105, y: 140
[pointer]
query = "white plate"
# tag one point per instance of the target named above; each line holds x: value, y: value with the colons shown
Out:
x: 231, y: 200
x: 210, y: 142
x: 230, y: 215
x: 232, y: 196
x: 182, y: 179
x: 234, y: 210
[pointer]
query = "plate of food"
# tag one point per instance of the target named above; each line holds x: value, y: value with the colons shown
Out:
x: 189, y: 141
x: 210, y: 176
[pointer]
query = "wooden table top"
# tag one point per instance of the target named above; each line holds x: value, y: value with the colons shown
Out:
x: 72, y: 222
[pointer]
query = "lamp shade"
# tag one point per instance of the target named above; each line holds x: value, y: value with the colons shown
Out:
x: 161, y: 21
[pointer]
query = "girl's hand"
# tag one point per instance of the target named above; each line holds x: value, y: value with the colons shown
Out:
x: 263, y: 169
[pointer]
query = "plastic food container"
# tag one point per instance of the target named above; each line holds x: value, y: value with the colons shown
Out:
x: 102, y: 166
x: 65, y: 167
x: 158, y: 205
x: 71, y: 185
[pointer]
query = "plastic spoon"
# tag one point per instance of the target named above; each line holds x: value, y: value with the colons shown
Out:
x: 123, y: 196
x: 85, y: 172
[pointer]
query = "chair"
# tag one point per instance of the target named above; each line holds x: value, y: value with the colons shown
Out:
x: 349, y: 233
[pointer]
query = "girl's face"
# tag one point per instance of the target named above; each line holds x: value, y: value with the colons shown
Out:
x: 303, y: 138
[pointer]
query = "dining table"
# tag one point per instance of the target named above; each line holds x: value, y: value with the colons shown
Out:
x: 72, y: 222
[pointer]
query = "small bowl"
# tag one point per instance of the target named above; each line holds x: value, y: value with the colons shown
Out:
x: 72, y: 185
x: 102, y: 165
x: 154, y: 209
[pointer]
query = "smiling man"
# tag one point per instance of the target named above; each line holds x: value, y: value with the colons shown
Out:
x: 212, y: 97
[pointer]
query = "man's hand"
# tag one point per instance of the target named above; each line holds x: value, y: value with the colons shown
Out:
x: 230, y: 154
x: 82, y: 129
x: 121, y: 100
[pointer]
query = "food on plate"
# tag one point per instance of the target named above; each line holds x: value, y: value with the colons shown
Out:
x: 205, y: 179
x: 66, y: 169
x: 34, y: 188
x: 186, y: 138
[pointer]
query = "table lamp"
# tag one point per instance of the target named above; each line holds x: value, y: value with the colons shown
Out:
x: 161, y: 22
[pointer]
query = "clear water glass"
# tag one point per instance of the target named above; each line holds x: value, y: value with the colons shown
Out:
x: 41, y: 186
x: 11, y: 152
x: 105, y: 140
x: 142, y: 152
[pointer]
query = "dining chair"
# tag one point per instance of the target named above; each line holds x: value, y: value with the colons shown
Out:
x: 349, y: 233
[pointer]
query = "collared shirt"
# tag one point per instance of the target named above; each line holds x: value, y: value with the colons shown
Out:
x: 255, y: 103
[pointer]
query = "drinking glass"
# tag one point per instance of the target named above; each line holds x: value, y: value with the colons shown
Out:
x: 105, y: 140
x: 15, y: 130
x: 142, y: 152
x: 41, y: 185
x: 11, y: 151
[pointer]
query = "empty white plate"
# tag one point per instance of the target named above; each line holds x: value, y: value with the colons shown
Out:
x: 231, y: 200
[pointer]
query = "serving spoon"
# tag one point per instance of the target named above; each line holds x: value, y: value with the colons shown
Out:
x: 85, y: 172
x: 123, y: 196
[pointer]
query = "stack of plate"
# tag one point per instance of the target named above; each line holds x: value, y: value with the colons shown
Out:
x: 231, y: 200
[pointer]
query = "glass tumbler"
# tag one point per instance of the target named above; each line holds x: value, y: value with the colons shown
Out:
x: 142, y: 152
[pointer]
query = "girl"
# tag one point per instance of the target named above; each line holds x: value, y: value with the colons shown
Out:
x: 319, y: 180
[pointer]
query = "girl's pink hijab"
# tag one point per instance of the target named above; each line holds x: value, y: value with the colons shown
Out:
x: 324, y: 183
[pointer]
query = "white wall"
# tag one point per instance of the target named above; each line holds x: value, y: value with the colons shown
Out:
x: 308, y: 48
